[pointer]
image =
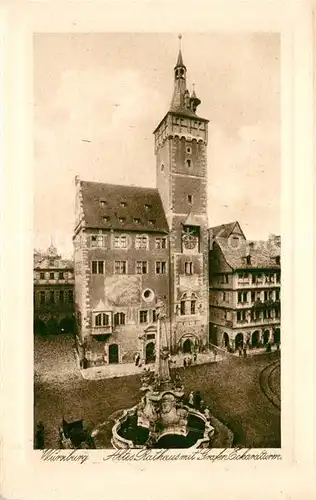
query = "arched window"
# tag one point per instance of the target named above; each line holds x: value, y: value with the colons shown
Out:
x: 119, y: 318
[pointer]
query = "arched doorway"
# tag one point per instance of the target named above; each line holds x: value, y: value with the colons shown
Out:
x: 67, y: 325
x: 150, y: 352
x: 226, y: 340
x: 255, y: 337
x: 52, y: 326
x: 266, y: 336
x: 113, y: 353
x: 239, y: 340
x: 186, y: 348
x: 277, y: 336
x: 39, y: 327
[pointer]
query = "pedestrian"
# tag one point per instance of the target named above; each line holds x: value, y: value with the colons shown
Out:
x: 239, y: 351
x: 197, y: 399
x: 189, y: 361
x: 185, y: 362
x: 137, y: 358
x: 191, y: 399
x: 278, y: 346
x: 215, y: 354
x: 244, y: 351
x: 202, y: 406
x: 194, y: 357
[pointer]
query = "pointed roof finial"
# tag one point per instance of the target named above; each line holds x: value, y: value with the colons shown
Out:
x: 193, y: 90
x: 180, y: 60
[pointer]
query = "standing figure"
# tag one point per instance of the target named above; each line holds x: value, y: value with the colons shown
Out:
x: 185, y: 362
x: 137, y: 358
x: 239, y: 350
x: 245, y: 351
x: 194, y: 357
x: 191, y: 399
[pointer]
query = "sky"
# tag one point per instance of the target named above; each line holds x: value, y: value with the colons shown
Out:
x: 113, y: 89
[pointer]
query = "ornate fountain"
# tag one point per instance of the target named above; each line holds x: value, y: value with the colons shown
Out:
x: 161, y: 419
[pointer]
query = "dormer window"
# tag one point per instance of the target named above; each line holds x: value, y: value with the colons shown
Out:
x: 122, y: 220
x: 103, y: 203
x: 136, y: 220
x: 147, y: 207
x: 248, y: 259
x: 123, y: 204
x: 151, y: 222
x: 106, y: 218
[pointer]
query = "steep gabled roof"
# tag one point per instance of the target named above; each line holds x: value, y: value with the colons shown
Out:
x: 128, y: 208
x: 263, y: 254
x: 225, y: 230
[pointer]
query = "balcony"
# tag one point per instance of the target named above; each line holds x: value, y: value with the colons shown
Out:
x: 102, y: 330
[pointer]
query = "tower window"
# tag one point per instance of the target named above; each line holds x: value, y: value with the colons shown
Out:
x: 106, y: 218
x: 188, y: 268
x: 122, y: 220
x: 123, y: 203
x: 136, y: 220
x: 151, y: 222
x: 147, y: 207
x: 189, y: 162
x: 190, y: 199
x: 162, y: 167
x: 189, y: 150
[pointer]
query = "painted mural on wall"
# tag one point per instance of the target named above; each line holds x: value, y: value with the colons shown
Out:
x: 122, y: 290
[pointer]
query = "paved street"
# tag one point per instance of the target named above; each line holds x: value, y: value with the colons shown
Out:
x: 231, y: 389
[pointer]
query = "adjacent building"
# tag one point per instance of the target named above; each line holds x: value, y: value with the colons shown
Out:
x: 245, y: 305
x: 53, y: 293
x: 136, y: 246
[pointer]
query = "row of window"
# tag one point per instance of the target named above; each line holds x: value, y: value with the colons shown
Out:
x: 61, y: 275
x: 56, y: 296
x: 120, y: 267
x: 258, y: 278
x: 242, y: 316
x: 124, y: 241
x: 267, y: 295
x: 141, y: 267
x: 103, y: 319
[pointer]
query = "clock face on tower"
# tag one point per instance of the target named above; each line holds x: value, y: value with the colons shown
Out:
x: 189, y: 241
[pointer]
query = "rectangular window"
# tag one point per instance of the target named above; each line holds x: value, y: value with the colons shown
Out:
x: 190, y: 199
x: 70, y: 295
x: 241, y: 316
x: 224, y: 278
x: 61, y: 296
x: 154, y: 313
x: 188, y: 268
x: 51, y: 297
x: 182, y: 307
x: 193, y: 306
x: 143, y: 316
x: 97, y: 267
x: 141, y: 267
x: 242, y: 297
x: 253, y: 296
x: 120, y: 267
x: 243, y: 278
x: 141, y: 241
x: 42, y: 276
x: 42, y: 297
x: 51, y: 276
x: 224, y: 297
x: 161, y: 244
x: 61, y: 276
x: 277, y: 295
x: 266, y: 296
x: 161, y: 267
x: 278, y: 277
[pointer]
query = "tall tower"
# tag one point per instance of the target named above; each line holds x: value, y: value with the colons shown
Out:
x: 180, y: 148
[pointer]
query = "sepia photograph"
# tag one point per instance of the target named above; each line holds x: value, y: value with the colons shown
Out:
x: 157, y: 241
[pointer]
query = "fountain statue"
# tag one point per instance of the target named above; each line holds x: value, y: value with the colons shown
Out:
x: 161, y: 419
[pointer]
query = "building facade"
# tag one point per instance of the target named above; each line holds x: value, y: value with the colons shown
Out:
x: 136, y: 246
x: 245, y: 276
x: 53, y: 293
